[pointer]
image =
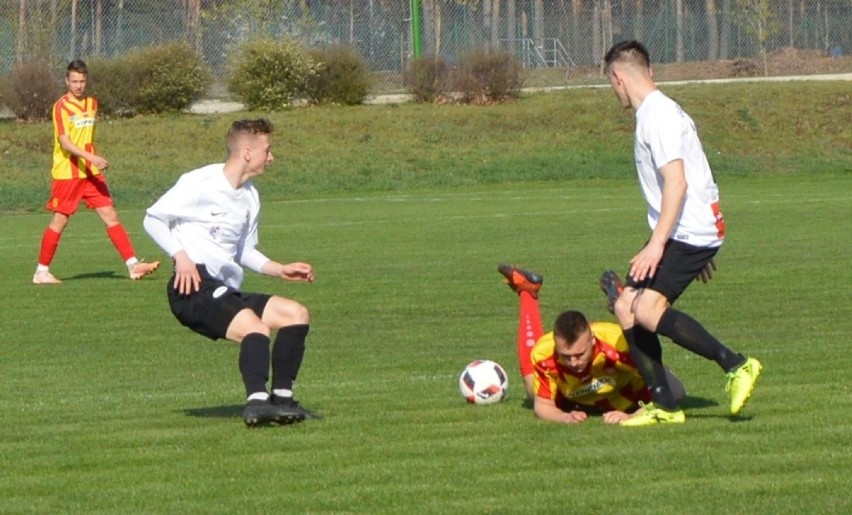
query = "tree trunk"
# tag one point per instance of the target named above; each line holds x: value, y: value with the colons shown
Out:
x: 495, y: 24
x: 576, y: 37
x: 712, y: 30
x: 607, y: 29
x: 538, y: 20
x: 790, y: 22
x: 72, y: 47
x: 54, y: 24
x: 21, y: 44
x: 725, y: 31
x: 428, y: 8
x: 679, y: 57
x: 98, y: 26
x: 192, y: 21
x: 352, y: 23
x: 597, y: 52
x: 511, y: 21
x: 639, y: 29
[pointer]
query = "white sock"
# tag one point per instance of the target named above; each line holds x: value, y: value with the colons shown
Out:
x: 42, y: 268
x: 282, y: 392
x: 131, y: 262
x: 258, y: 396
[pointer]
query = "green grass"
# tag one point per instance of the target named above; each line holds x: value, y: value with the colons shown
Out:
x: 110, y: 406
x: 747, y: 129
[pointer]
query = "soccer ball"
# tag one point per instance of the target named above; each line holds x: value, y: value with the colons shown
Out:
x: 483, y: 382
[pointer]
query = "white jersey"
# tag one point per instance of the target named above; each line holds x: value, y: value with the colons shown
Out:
x: 213, y: 222
x: 664, y: 133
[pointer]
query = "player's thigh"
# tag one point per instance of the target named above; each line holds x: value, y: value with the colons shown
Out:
x: 97, y: 196
x: 680, y: 265
x: 65, y: 196
x: 211, y: 310
x: 282, y: 312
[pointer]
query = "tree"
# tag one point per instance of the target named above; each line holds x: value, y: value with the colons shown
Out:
x: 36, y: 31
x: 758, y: 20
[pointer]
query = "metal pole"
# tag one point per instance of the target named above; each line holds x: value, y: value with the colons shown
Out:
x: 415, y: 29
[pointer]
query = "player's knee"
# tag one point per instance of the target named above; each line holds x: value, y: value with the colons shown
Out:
x: 301, y: 315
x: 622, y: 308
x: 287, y: 312
x: 648, y: 309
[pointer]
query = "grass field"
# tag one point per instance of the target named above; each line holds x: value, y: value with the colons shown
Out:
x: 747, y: 129
x: 111, y: 407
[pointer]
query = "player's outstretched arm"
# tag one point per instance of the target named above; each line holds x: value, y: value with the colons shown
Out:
x: 297, y: 271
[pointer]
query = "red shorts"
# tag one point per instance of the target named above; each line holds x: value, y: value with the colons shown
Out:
x: 66, y: 194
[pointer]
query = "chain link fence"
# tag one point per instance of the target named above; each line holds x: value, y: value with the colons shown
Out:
x: 558, y: 41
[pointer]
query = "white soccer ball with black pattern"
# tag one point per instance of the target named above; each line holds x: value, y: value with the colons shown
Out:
x: 483, y: 382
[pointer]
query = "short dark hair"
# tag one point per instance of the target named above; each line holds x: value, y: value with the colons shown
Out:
x: 627, y: 51
x: 77, y: 65
x: 570, y: 325
x: 247, y: 128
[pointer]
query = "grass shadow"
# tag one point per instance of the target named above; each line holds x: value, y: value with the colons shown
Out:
x: 690, y: 402
x: 227, y: 411
x: 96, y: 275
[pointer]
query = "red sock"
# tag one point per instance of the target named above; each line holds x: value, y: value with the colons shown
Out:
x: 529, y: 331
x: 118, y: 236
x: 49, y: 244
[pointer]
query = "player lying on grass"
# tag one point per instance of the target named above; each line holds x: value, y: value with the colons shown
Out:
x: 208, y: 224
x: 580, y: 368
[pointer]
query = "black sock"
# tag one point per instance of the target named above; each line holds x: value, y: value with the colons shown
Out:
x: 254, y: 362
x: 287, y: 353
x: 647, y: 355
x: 692, y: 336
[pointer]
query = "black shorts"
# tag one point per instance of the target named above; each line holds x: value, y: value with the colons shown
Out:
x: 210, y: 310
x: 680, y: 265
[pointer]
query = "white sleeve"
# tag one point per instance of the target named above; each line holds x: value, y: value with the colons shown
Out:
x: 248, y: 255
x: 253, y: 259
x: 160, y: 232
x: 178, y: 202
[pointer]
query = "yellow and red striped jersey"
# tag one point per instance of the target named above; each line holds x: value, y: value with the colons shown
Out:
x: 610, y: 382
x: 76, y: 119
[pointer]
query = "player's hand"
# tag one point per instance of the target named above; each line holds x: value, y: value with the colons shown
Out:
x: 575, y: 417
x: 644, y: 264
x: 707, y: 274
x: 614, y: 417
x: 298, y: 271
x: 187, y: 280
x: 100, y: 162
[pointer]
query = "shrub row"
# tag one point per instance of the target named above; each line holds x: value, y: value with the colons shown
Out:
x: 148, y: 80
x: 264, y: 75
x: 483, y: 77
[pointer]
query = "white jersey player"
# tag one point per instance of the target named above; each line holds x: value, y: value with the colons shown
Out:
x: 687, y: 228
x: 207, y: 223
